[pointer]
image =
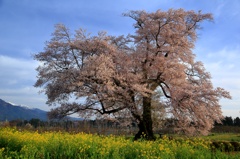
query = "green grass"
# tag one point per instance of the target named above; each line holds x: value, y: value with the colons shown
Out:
x: 223, y: 137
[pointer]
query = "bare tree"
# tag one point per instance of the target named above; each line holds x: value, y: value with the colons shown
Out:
x: 118, y: 76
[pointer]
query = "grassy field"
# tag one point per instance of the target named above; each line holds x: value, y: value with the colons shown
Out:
x: 223, y: 137
x: 62, y: 145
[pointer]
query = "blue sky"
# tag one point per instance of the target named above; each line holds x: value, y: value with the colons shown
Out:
x: 27, y: 24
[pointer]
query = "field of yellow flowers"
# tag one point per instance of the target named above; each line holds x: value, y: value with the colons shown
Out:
x: 62, y: 145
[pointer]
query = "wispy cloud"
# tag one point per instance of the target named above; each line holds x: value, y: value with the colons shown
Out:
x: 224, y: 67
x: 15, y: 69
x: 17, y: 79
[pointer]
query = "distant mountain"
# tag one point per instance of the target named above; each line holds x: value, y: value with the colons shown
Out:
x: 9, y: 111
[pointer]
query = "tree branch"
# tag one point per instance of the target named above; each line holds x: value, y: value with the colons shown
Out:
x: 164, y: 92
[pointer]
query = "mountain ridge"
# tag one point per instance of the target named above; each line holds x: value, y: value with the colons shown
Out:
x: 10, y: 111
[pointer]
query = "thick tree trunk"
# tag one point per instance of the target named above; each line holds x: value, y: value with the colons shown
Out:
x: 145, y: 124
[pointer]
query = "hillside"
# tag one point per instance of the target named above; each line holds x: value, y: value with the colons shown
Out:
x: 10, y: 112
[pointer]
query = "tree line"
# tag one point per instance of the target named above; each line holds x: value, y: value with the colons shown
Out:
x: 229, y: 121
x: 106, y: 127
x: 99, y: 126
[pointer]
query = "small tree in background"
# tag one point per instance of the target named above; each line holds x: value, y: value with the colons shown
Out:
x: 228, y: 121
x: 118, y: 76
x: 237, y: 121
